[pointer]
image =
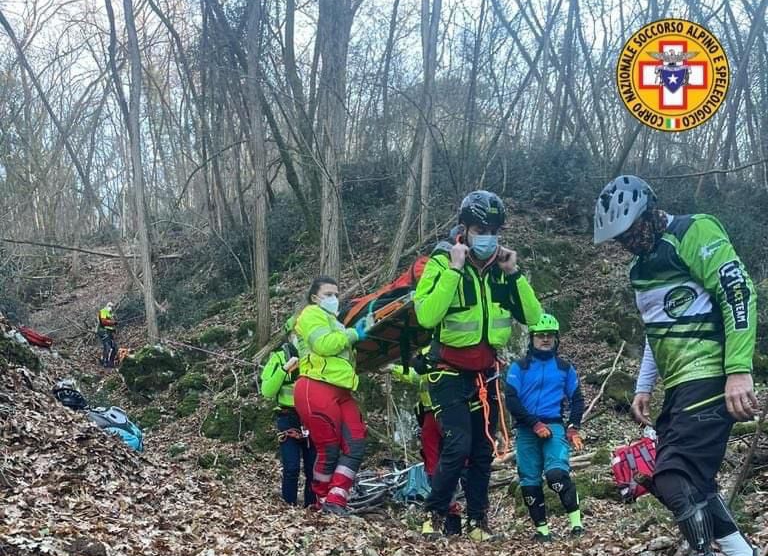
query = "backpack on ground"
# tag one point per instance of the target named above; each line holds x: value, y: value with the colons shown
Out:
x: 115, y: 421
x: 633, y: 466
x: 112, y: 420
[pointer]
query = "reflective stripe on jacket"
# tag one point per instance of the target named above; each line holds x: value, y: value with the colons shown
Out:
x: 330, y: 356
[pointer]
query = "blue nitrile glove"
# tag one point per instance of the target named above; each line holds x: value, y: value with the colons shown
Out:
x: 360, y: 329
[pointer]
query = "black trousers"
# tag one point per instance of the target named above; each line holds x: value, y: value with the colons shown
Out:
x: 292, y: 453
x: 457, y: 409
x: 109, y: 347
x: 692, y: 437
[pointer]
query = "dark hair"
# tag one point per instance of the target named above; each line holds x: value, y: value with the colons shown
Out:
x: 316, y: 283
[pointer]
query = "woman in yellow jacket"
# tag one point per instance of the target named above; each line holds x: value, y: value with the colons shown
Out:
x: 323, y: 395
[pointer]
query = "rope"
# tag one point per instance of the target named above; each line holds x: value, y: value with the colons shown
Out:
x: 482, y: 394
x: 217, y: 354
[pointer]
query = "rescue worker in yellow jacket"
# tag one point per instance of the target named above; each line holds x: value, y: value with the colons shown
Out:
x: 323, y: 395
x: 470, y: 291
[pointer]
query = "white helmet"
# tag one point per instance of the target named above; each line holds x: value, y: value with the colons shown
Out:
x: 620, y: 203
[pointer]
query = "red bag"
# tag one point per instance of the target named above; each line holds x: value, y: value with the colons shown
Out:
x: 633, y: 468
x: 35, y: 338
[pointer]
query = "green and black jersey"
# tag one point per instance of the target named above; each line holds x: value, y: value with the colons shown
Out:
x: 697, y: 301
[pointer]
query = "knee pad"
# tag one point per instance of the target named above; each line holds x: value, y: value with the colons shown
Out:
x: 677, y: 493
x: 558, y: 480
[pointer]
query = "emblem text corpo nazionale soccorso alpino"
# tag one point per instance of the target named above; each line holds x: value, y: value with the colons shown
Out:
x: 672, y: 75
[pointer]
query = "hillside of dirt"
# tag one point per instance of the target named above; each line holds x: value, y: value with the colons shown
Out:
x: 208, y: 481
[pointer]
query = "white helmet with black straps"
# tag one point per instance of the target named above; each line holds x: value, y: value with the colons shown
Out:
x: 620, y: 203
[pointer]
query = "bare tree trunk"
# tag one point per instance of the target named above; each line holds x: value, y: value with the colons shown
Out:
x: 260, y: 232
x: 333, y: 27
x: 429, y: 22
x: 134, y: 134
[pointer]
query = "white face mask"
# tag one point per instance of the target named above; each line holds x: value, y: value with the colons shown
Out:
x: 330, y: 304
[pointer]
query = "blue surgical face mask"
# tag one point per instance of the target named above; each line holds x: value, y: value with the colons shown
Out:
x: 330, y: 304
x: 484, y: 246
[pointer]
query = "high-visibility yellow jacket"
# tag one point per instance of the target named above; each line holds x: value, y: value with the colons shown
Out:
x: 329, y: 355
x: 466, y: 308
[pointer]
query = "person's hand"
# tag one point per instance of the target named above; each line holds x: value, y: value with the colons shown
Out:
x: 459, y: 255
x: 291, y: 365
x: 740, y: 397
x: 507, y: 260
x: 541, y: 430
x: 572, y: 433
x: 360, y: 329
x: 641, y: 408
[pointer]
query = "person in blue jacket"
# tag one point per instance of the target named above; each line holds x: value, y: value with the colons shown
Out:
x: 537, y: 386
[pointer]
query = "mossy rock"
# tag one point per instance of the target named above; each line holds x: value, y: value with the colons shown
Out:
x: 620, y: 387
x: 177, y: 449
x: 18, y: 354
x: 592, y: 486
x: 218, y: 307
x: 191, y: 381
x: 112, y: 383
x: 231, y: 420
x: 215, y: 336
x: 150, y: 418
x: 188, y: 405
x: 247, y: 329
x: 151, y: 369
x: 563, y: 308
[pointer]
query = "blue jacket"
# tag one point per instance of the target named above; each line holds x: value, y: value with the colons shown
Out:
x: 537, y: 389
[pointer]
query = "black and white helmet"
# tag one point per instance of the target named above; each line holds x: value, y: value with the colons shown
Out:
x: 483, y: 208
x: 620, y: 203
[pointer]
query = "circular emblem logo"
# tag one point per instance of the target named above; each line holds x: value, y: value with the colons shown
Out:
x: 672, y: 75
x: 678, y: 300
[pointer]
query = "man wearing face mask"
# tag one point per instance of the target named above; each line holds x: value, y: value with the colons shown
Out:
x: 323, y: 395
x: 699, y: 308
x: 469, y: 292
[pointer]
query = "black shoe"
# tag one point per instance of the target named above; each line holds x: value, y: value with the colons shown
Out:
x: 542, y: 538
x: 577, y: 531
x: 452, y: 524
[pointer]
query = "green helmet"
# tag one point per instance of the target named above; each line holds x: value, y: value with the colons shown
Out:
x: 547, y: 323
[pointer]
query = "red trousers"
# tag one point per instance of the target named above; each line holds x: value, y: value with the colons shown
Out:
x: 338, y: 433
x: 431, y: 436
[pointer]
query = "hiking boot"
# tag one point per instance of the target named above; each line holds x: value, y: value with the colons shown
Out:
x: 433, y: 526
x: 452, y: 524
x: 479, y: 531
x: 542, y: 538
x: 335, y: 509
x: 577, y: 531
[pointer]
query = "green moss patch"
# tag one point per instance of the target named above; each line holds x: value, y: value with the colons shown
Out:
x: 188, y: 405
x: 18, y: 354
x: 232, y: 421
x: 215, y: 336
x: 151, y: 369
x: 150, y: 418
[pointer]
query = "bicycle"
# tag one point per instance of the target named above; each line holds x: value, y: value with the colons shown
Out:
x: 374, y: 488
